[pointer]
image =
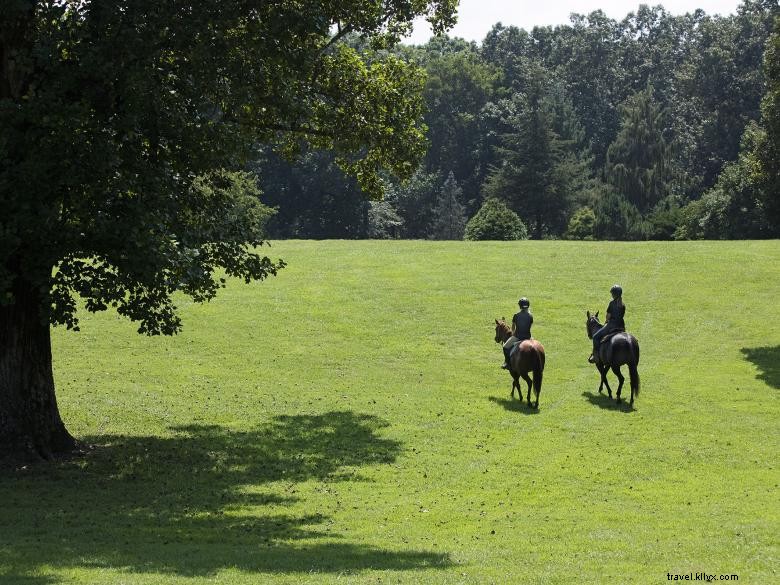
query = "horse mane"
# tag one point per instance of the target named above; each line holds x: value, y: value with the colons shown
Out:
x: 503, y: 326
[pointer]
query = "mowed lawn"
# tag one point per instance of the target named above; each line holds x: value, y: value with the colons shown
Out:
x: 347, y: 422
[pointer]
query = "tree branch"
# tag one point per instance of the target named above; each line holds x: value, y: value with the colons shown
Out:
x: 336, y: 38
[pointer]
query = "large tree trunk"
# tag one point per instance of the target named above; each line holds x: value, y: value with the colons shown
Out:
x: 30, y: 423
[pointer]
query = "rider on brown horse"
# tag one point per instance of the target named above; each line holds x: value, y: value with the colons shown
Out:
x: 615, y: 313
x: 521, y: 329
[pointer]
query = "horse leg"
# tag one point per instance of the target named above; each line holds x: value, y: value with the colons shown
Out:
x: 527, y: 381
x: 603, y: 371
x: 516, y: 384
x: 616, y: 371
x: 603, y: 380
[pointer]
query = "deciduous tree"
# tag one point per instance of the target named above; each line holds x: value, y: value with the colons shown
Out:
x: 122, y: 125
x: 495, y: 221
x: 769, y: 150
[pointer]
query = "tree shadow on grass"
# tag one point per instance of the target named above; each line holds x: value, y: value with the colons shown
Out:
x: 17, y: 579
x: 514, y: 405
x: 607, y: 403
x: 203, y: 500
x: 766, y: 359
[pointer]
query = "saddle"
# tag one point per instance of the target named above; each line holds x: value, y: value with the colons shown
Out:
x: 611, y: 334
x: 515, y: 346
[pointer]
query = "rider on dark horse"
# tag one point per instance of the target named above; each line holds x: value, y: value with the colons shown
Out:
x: 615, y: 313
x: 521, y: 329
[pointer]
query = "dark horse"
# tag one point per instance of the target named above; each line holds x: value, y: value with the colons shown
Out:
x: 616, y: 349
x: 527, y: 356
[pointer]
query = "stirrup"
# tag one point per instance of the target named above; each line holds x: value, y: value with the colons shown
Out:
x: 505, y: 366
x: 592, y: 359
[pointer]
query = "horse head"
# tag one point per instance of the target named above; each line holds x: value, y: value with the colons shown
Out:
x: 592, y: 324
x: 503, y: 331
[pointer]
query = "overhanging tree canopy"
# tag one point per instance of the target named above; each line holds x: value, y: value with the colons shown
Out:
x: 123, y: 124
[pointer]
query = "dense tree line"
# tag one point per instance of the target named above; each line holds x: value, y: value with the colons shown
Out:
x: 652, y: 127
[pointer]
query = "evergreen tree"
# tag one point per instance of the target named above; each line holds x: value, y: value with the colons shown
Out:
x: 575, y: 168
x: 639, y: 159
x: 449, y: 214
x: 618, y: 219
x: 414, y: 201
x: 536, y: 169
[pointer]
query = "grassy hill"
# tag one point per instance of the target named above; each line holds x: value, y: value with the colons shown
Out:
x: 347, y: 422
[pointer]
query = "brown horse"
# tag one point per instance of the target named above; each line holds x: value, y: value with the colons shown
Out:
x: 617, y: 349
x: 527, y: 356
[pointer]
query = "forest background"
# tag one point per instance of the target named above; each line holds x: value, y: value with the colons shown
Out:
x: 652, y: 127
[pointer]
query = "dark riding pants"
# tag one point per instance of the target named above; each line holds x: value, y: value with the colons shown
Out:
x: 599, y: 335
x: 510, y: 344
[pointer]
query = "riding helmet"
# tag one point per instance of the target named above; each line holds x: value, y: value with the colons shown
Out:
x: 524, y: 302
x: 616, y: 290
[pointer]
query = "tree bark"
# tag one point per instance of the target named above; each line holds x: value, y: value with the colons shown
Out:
x: 30, y: 423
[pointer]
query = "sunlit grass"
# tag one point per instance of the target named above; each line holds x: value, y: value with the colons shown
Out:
x: 347, y: 421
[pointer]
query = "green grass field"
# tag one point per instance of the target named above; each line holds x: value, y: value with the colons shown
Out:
x: 347, y: 422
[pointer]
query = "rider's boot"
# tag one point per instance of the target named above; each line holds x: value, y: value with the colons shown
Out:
x: 505, y: 365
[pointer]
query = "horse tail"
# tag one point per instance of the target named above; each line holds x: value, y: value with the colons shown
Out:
x: 632, y: 370
x: 538, y: 368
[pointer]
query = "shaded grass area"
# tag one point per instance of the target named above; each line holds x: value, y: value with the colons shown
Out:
x: 514, y: 405
x: 347, y: 421
x: 767, y: 360
x: 605, y: 402
x: 174, y: 505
